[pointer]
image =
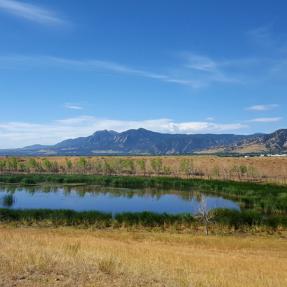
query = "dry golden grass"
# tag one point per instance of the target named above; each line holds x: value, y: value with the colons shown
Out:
x: 73, y: 257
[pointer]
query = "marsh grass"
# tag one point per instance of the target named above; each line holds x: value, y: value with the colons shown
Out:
x: 222, y: 219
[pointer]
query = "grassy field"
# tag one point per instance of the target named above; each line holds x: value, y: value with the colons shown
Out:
x: 74, y: 257
x: 263, y: 169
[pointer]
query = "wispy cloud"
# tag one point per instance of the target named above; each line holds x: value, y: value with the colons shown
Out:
x: 71, y: 106
x: 17, y: 134
x: 269, y: 64
x: 192, y: 70
x: 260, y: 108
x: 92, y: 65
x: 260, y: 34
x: 263, y: 38
x: 30, y: 12
x: 208, y: 70
x: 201, y: 63
x: 266, y: 120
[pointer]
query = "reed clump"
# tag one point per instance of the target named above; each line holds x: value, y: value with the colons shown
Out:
x: 222, y: 219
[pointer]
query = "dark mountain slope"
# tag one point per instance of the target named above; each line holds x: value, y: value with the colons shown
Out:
x: 143, y: 141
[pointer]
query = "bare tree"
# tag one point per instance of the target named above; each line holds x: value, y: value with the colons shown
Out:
x: 205, y: 215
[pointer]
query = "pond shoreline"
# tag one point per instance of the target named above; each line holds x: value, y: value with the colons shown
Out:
x: 265, y: 206
x: 266, y: 198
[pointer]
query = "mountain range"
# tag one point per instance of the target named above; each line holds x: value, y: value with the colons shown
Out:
x: 142, y: 141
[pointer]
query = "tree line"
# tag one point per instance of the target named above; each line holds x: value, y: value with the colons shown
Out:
x: 184, y: 167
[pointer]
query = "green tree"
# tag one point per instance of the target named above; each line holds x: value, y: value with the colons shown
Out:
x: 167, y: 170
x: 34, y: 165
x: 2, y: 165
x: 98, y: 167
x: 117, y: 165
x: 156, y: 165
x: 235, y: 171
x: 251, y: 171
x: 48, y: 166
x: 82, y: 164
x: 69, y: 164
x: 22, y: 167
x: 12, y: 164
x: 128, y: 166
x: 108, y: 169
x: 142, y: 165
x: 186, y: 167
x: 55, y: 166
x: 243, y: 170
x: 216, y: 171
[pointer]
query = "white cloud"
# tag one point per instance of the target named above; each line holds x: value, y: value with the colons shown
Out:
x: 30, y: 12
x: 266, y: 120
x: 260, y: 108
x: 18, y: 134
x: 73, y: 106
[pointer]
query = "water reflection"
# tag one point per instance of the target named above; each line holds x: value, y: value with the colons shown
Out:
x: 108, y: 199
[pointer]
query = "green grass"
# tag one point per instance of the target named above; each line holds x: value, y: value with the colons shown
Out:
x: 222, y: 217
x: 56, y: 217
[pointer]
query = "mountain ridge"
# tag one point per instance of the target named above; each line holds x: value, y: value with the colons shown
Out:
x: 141, y: 141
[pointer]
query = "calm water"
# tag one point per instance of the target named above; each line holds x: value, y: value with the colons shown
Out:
x: 107, y: 199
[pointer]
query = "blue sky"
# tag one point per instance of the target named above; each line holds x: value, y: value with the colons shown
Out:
x: 69, y: 68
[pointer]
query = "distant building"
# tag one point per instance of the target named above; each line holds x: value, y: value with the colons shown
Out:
x: 277, y: 155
